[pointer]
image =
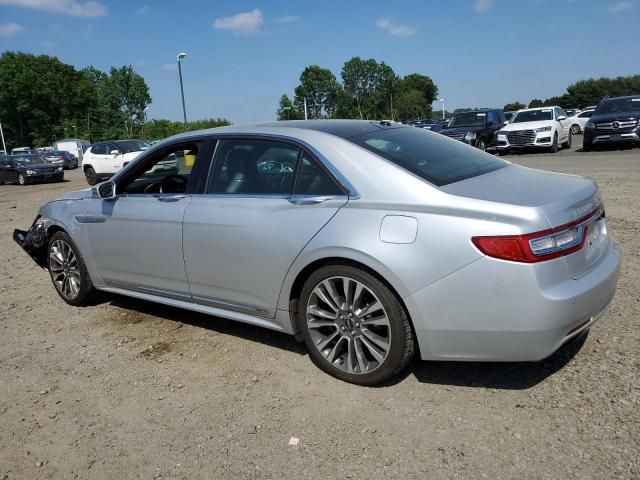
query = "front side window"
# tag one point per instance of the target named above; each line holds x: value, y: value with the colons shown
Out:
x: 312, y: 179
x: 167, y: 172
x: 491, y: 118
x: 430, y: 156
x: 97, y: 149
x: 253, y: 167
x: 585, y: 115
x: 127, y: 146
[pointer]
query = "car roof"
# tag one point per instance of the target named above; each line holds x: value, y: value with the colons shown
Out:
x: 339, y: 128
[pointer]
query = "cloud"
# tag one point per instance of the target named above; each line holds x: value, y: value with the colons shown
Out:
x: 620, y: 6
x: 241, y: 23
x: 9, y: 29
x: 144, y: 10
x: 482, y: 6
x: 68, y: 7
x: 170, y: 67
x: 289, y: 19
x: 394, y: 29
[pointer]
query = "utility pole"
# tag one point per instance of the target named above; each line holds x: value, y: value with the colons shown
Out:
x: 4, y: 147
x: 180, y: 56
x: 442, y: 100
x: 305, y: 109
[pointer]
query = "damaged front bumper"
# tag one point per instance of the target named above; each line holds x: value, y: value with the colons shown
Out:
x: 34, y: 242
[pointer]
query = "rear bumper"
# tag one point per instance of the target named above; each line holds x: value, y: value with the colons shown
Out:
x: 34, y: 242
x: 494, y: 310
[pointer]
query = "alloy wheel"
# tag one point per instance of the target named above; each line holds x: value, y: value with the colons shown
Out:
x: 64, y: 269
x: 575, y: 129
x: 348, y: 325
x: 21, y: 180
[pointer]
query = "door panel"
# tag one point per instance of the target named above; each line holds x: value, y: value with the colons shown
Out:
x: 237, y: 251
x: 136, y: 242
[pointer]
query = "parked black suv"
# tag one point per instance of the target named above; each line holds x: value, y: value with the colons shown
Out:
x: 476, y: 127
x: 614, y: 121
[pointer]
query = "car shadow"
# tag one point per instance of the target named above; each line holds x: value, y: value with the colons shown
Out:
x: 497, y: 375
x: 212, y: 323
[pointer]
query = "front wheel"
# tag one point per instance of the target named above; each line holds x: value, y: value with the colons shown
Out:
x: 567, y: 144
x: 354, y: 326
x: 554, y: 147
x: 575, y: 129
x: 22, y: 180
x: 68, y: 270
x: 482, y: 145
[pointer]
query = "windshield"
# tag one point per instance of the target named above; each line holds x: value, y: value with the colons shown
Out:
x: 619, y: 105
x: 428, y: 155
x: 533, y: 116
x: 127, y: 146
x: 469, y: 119
x: 23, y: 159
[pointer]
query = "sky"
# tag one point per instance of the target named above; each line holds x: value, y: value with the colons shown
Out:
x: 242, y: 55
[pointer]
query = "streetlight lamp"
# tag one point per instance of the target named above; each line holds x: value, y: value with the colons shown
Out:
x: 287, y: 109
x: 442, y: 100
x: 179, y: 57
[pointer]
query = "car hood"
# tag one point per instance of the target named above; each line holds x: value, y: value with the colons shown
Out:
x: 612, y: 117
x: 526, y: 125
x: 444, y: 131
x: 76, y: 195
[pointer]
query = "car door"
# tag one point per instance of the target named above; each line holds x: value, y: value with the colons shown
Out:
x: 136, y: 238
x: 264, y: 201
x: 563, y: 131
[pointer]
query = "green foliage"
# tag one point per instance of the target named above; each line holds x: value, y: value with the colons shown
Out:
x: 160, y: 128
x: 591, y: 91
x: 514, y: 106
x: 369, y: 90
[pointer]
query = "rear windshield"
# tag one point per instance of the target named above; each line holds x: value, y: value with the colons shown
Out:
x: 431, y: 156
x: 619, y: 105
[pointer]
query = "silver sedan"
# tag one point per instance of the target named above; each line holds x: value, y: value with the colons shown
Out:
x: 369, y: 241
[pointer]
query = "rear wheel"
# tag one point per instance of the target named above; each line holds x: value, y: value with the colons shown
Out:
x: 68, y: 270
x: 575, y: 129
x: 354, y: 326
x: 90, y: 173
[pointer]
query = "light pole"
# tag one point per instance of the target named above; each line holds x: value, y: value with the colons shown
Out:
x: 4, y: 147
x: 442, y: 100
x: 287, y: 109
x: 144, y: 120
x: 179, y: 57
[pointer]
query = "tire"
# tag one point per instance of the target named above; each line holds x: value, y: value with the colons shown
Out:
x: 575, y: 129
x: 554, y: 147
x: 346, y: 333
x: 68, y: 270
x: 482, y: 145
x: 90, y: 173
x: 22, y: 180
x: 567, y: 144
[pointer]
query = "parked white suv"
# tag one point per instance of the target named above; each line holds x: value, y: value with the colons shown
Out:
x: 546, y: 127
x: 104, y: 159
x: 579, y: 120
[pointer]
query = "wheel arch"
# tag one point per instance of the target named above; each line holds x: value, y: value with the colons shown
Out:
x: 295, y: 282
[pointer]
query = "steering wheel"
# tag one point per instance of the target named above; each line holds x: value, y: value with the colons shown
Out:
x: 174, y: 184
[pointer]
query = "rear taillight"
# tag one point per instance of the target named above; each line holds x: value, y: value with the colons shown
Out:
x: 540, y: 246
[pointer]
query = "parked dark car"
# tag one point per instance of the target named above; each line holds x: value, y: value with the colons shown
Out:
x: 476, y: 127
x: 25, y: 169
x: 508, y: 115
x: 65, y: 159
x: 615, y: 121
x: 427, y: 124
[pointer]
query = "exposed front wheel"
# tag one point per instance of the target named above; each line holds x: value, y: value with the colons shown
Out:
x: 575, y: 129
x: 90, y: 173
x: 22, y: 179
x: 554, y: 147
x: 567, y: 144
x: 68, y: 270
x: 354, y: 326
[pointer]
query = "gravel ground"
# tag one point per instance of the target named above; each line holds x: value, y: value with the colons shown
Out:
x: 129, y: 389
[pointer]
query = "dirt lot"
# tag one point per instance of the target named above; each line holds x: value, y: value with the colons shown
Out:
x: 128, y: 389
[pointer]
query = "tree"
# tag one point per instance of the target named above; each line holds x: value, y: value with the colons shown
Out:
x: 320, y: 89
x: 370, y: 86
x: 417, y: 93
x: 514, y: 106
x: 288, y: 110
x: 535, y: 103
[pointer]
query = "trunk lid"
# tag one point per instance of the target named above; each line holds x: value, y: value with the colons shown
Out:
x: 563, y: 199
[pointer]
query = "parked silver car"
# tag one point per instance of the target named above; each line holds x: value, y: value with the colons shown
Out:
x: 370, y: 241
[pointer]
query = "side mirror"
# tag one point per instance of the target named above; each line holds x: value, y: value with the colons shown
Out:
x: 114, y: 152
x: 105, y: 190
x: 506, y: 122
x: 562, y: 117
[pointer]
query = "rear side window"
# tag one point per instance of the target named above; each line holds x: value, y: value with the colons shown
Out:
x: 312, y: 179
x: 254, y: 167
x: 431, y: 156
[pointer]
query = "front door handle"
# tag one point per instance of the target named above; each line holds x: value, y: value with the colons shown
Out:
x: 169, y: 199
x: 307, y: 200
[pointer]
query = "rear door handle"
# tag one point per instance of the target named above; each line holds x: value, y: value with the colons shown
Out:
x: 307, y: 200
x: 169, y: 199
